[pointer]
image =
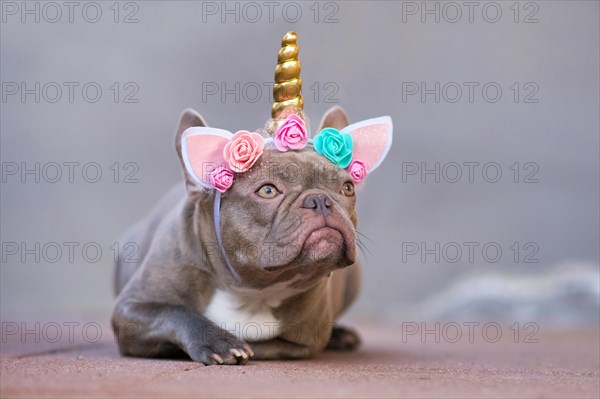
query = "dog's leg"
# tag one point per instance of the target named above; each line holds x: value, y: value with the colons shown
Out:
x: 345, y: 286
x: 343, y: 339
x: 162, y: 330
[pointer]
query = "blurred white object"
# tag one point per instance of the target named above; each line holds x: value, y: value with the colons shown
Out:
x: 566, y: 295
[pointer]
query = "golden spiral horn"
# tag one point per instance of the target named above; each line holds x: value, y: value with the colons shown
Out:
x: 288, y: 85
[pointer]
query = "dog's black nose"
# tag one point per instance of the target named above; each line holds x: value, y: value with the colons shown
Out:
x: 318, y: 202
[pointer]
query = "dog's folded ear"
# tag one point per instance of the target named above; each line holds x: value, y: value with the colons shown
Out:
x: 189, y: 118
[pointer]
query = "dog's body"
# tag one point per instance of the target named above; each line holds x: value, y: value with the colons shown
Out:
x: 295, y: 255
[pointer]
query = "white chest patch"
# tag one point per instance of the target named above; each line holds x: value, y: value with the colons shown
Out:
x: 248, y: 313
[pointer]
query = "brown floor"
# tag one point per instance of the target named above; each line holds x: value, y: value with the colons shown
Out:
x: 562, y: 364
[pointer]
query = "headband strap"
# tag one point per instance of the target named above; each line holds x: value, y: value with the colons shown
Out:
x: 217, y: 220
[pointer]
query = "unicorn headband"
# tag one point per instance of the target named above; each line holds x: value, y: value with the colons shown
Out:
x: 213, y: 157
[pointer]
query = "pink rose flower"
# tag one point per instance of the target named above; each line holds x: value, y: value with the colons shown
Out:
x: 291, y: 134
x: 221, y: 179
x: 357, y: 170
x: 243, y: 150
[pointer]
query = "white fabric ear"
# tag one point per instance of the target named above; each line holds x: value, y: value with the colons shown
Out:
x: 372, y: 140
x: 202, y: 152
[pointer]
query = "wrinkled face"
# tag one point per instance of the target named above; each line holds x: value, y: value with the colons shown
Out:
x: 292, y: 213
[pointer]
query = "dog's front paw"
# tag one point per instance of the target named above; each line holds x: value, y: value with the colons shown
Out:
x: 343, y: 339
x: 225, y: 349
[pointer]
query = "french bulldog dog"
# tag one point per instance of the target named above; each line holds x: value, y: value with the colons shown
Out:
x: 256, y: 257
x: 295, y: 254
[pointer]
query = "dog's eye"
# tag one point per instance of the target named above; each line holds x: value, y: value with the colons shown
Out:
x: 267, y: 191
x: 348, y: 189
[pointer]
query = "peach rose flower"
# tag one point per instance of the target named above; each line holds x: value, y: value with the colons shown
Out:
x: 243, y: 150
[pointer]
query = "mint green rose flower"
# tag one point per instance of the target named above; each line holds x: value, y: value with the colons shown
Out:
x: 335, y: 146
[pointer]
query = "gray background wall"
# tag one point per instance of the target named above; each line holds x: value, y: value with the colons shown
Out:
x: 364, y: 56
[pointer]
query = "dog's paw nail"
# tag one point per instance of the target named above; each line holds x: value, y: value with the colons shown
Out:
x: 240, y: 356
x: 217, y: 358
x: 248, y: 349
